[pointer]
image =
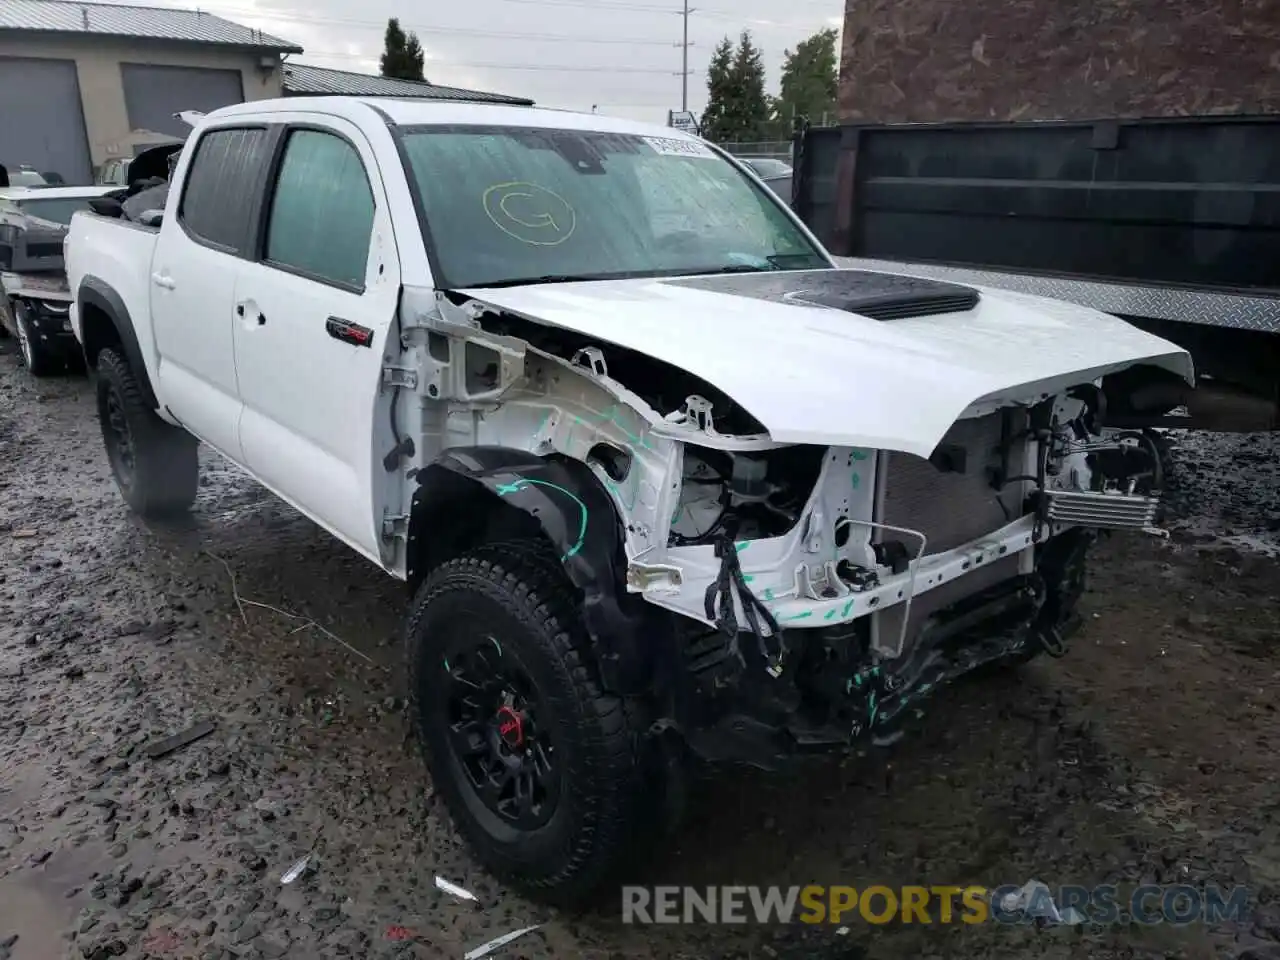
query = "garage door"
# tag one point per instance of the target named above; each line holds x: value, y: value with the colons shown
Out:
x: 41, y: 122
x: 154, y: 94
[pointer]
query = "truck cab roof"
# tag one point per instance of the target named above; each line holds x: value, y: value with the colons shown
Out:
x: 405, y: 111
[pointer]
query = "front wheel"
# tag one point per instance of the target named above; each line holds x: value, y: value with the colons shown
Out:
x: 155, y: 464
x: 535, y: 763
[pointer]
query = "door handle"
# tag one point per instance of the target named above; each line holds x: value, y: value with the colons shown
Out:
x: 349, y: 332
x: 262, y: 317
x: 163, y: 280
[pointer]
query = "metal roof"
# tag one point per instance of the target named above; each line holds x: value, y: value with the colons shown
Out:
x: 119, y: 20
x: 302, y: 79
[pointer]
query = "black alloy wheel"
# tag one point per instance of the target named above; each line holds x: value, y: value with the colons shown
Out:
x: 536, y: 763
x: 497, y: 736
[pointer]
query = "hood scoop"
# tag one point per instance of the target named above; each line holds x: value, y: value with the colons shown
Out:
x: 880, y: 296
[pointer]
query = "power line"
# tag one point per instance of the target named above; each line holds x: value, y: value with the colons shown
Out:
x: 284, y: 15
x: 502, y: 34
x: 658, y: 9
x: 558, y: 67
x: 684, y: 44
x: 287, y: 16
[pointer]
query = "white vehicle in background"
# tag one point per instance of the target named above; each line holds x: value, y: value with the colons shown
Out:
x: 663, y: 481
x: 26, y: 177
x: 35, y: 303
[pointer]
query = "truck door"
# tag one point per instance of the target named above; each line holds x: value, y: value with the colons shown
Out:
x: 312, y: 319
x: 205, y: 236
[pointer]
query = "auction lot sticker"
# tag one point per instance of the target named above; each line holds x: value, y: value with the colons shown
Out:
x: 679, y: 148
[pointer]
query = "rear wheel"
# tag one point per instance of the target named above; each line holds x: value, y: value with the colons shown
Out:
x: 155, y: 464
x: 537, y: 766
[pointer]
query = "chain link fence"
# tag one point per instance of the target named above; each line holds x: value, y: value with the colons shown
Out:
x: 773, y: 149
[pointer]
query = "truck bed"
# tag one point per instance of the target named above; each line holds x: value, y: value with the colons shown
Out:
x: 121, y: 252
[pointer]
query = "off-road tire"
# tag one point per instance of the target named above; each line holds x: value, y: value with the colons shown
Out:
x: 35, y: 356
x: 156, y: 465
x: 520, y: 588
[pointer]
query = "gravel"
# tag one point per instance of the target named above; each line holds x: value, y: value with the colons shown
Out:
x: 1147, y: 753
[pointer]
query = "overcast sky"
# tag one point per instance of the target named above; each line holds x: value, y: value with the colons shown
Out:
x: 621, y: 55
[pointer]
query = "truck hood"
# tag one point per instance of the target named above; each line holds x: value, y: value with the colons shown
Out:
x: 848, y: 357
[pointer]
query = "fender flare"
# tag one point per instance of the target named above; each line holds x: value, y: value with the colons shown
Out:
x: 99, y: 294
x: 580, y: 520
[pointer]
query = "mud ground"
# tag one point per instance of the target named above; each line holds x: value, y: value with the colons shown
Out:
x: 1148, y: 754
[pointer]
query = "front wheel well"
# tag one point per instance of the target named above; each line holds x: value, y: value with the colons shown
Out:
x: 453, y: 514
x: 479, y: 495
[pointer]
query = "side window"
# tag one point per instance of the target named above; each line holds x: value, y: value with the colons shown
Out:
x: 217, y: 198
x: 321, y: 210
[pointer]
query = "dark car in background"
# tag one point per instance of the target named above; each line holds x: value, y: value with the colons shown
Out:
x: 775, y: 173
x: 34, y: 299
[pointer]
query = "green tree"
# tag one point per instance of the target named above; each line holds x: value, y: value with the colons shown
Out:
x: 719, y: 93
x: 402, y: 55
x: 737, y: 108
x: 748, y: 79
x: 810, y: 78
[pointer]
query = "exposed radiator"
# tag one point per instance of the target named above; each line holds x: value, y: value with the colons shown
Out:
x: 1108, y: 510
x: 887, y: 625
x: 952, y: 508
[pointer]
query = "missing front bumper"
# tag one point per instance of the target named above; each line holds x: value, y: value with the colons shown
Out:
x: 839, y: 693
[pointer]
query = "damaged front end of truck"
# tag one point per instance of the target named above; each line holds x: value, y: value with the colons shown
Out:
x: 775, y: 564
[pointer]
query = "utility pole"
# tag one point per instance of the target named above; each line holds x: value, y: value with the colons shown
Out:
x: 684, y: 51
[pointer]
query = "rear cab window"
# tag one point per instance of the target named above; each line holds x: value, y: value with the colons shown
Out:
x: 220, y: 192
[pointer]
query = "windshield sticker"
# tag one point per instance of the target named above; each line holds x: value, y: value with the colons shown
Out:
x: 530, y: 213
x: 680, y: 148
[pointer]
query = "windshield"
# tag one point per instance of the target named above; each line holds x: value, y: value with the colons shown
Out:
x: 56, y: 209
x: 506, y: 205
x: 26, y: 178
x: 769, y: 168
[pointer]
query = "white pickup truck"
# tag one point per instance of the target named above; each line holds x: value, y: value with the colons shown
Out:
x: 666, y: 484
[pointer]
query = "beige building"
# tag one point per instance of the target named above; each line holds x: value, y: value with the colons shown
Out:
x: 81, y: 83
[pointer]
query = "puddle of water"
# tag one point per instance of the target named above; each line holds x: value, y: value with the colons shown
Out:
x: 1260, y: 543
x: 35, y: 917
x: 38, y: 903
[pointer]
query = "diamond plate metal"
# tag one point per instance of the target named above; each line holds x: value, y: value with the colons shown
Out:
x: 1163, y: 303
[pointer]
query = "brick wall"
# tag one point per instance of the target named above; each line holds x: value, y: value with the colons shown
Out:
x: 923, y: 60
